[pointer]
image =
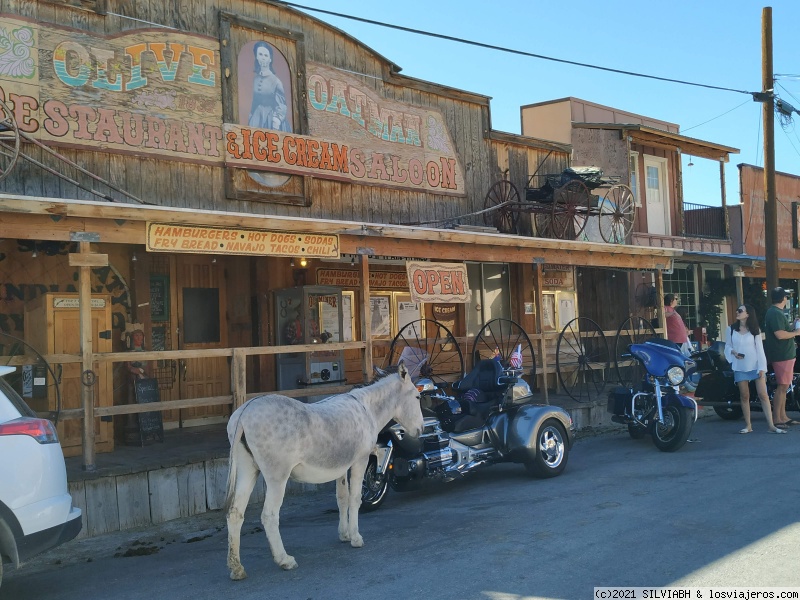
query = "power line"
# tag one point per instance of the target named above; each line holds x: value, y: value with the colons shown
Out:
x: 717, y: 117
x: 510, y: 50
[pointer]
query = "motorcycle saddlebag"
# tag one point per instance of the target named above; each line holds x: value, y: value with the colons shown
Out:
x: 618, y: 399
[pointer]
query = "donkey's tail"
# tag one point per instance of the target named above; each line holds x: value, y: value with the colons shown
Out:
x: 236, y: 439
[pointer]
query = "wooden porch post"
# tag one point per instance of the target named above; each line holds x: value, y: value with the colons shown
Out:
x: 239, y: 377
x: 85, y: 261
x: 662, y: 319
x: 366, y: 330
x: 537, y: 286
x: 724, y: 204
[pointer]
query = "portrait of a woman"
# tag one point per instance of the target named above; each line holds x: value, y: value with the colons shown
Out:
x: 268, y: 109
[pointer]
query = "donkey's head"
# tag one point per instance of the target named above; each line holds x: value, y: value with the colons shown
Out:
x: 407, y: 408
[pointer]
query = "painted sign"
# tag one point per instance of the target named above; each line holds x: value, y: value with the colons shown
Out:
x: 560, y: 276
x: 165, y: 237
x: 438, y: 282
x: 269, y: 150
x: 151, y: 92
x: 349, y: 278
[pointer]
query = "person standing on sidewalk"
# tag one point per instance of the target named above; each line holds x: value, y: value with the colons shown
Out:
x: 676, y: 328
x: 745, y: 351
x: 781, y: 351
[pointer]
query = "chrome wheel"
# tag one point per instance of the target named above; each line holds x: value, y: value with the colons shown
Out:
x: 551, y: 447
x: 551, y: 452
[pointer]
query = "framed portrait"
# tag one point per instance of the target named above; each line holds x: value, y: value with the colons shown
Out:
x: 261, y: 90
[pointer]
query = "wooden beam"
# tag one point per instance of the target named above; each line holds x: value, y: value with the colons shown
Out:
x: 239, y: 377
x: 88, y: 260
x: 87, y: 389
x: 537, y: 298
x: 366, y: 330
x: 662, y: 318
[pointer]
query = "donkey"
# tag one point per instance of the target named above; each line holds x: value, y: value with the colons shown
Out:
x: 314, y: 443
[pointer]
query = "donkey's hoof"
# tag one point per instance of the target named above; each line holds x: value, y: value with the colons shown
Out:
x: 357, y: 541
x: 238, y: 574
x: 344, y: 537
x: 288, y: 563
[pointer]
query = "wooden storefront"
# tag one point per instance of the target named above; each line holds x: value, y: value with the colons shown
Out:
x: 376, y: 163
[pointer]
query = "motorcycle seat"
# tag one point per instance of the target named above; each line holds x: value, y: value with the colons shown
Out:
x: 487, y: 376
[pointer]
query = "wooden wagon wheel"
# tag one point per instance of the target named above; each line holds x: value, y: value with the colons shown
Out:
x: 617, y: 211
x: 500, y: 337
x: 431, y: 351
x: 582, y: 359
x: 570, y: 210
x: 9, y: 140
x: 633, y: 330
x: 504, y: 198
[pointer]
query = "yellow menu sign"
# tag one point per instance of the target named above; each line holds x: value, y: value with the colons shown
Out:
x: 166, y: 237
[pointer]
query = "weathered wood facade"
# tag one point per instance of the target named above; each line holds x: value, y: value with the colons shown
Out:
x: 161, y: 114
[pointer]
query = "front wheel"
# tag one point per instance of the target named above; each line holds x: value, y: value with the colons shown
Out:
x: 374, y: 487
x: 729, y: 413
x: 551, y: 451
x: 671, y: 434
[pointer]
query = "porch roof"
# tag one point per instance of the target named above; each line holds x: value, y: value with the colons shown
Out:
x: 28, y: 217
x: 658, y: 137
x: 740, y: 260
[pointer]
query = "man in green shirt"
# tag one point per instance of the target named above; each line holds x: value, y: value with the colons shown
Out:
x: 781, y: 351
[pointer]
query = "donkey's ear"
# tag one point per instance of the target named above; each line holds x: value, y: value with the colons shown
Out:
x: 401, y: 369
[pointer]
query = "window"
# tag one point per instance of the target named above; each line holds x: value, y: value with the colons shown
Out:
x: 490, y: 295
x: 682, y: 283
x: 653, y: 180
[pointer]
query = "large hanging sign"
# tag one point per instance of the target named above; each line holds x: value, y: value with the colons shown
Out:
x: 166, y: 237
x: 148, y: 91
x: 438, y: 282
x: 355, y: 135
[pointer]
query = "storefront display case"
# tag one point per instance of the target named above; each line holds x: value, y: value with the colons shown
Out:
x: 310, y: 314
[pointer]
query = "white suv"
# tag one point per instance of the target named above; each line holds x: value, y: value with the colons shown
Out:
x: 36, y: 511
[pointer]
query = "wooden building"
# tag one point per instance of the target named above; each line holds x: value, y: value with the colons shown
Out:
x: 229, y: 149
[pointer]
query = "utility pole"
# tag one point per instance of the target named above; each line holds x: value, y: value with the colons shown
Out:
x: 768, y: 111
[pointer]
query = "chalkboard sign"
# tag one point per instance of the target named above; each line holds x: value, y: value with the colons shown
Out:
x: 159, y: 298
x: 158, y: 337
x: 150, y: 423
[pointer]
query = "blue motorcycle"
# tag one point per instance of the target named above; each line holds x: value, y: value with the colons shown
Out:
x: 657, y: 407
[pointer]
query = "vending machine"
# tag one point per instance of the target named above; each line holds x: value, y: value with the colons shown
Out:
x: 309, y: 315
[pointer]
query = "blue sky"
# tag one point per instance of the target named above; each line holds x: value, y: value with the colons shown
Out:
x: 704, y: 41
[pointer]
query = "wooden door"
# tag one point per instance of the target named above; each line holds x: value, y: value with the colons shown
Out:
x: 67, y: 340
x: 656, y: 196
x: 202, y: 324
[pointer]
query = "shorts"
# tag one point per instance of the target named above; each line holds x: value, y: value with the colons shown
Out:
x: 783, y: 371
x: 745, y: 376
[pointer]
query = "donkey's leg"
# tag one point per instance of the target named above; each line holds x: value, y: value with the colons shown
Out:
x: 246, y: 473
x: 276, y: 488
x: 357, y: 470
x: 343, y: 502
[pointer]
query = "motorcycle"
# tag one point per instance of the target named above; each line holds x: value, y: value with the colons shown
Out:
x: 717, y: 389
x: 657, y: 407
x: 490, y: 418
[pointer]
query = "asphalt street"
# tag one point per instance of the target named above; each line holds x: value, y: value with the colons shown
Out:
x: 721, y: 511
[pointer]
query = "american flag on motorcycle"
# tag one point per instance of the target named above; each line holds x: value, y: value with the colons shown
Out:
x: 515, y: 360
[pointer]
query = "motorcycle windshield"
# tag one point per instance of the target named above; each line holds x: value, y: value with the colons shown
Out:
x: 658, y: 356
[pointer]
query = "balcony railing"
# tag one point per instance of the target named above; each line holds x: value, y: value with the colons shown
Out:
x: 704, y: 221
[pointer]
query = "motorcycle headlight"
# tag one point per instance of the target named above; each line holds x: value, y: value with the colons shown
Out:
x: 676, y: 375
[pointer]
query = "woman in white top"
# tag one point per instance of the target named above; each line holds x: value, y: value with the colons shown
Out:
x: 745, y: 351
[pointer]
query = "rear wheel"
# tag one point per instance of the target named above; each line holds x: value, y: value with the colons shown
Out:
x: 671, y: 434
x: 729, y: 413
x: 374, y: 487
x: 551, y: 451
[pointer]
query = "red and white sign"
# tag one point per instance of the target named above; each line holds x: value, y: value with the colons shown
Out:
x: 438, y: 282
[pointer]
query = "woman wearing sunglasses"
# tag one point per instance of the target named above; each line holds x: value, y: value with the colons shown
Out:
x: 745, y: 351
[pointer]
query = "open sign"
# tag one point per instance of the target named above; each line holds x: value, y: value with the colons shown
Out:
x: 438, y: 282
